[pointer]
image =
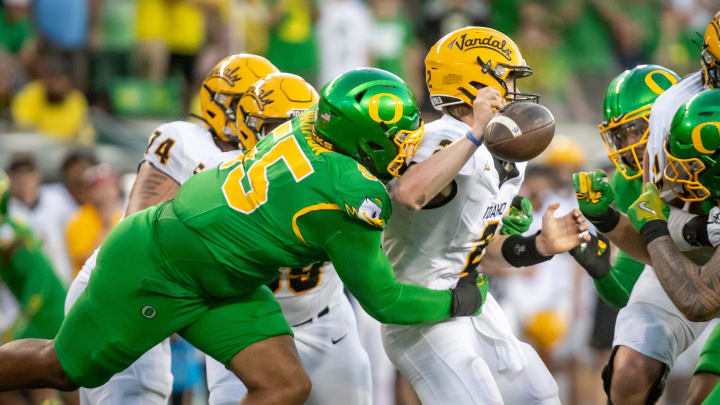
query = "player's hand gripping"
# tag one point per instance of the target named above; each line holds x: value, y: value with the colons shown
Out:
x: 593, y: 192
x: 594, y: 257
x: 648, y: 207
x: 485, y: 106
x: 469, y: 294
x: 519, y: 217
x: 559, y: 235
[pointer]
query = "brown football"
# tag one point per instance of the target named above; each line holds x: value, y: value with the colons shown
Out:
x: 520, y: 132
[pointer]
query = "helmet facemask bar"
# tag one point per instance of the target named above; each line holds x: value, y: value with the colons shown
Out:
x: 407, y: 142
x: 516, y: 72
x: 616, y: 132
x: 683, y: 175
x: 228, y: 104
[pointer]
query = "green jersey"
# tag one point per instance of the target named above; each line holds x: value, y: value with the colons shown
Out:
x: 292, y: 201
x: 615, y: 288
x: 247, y: 210
x: 31, y: 279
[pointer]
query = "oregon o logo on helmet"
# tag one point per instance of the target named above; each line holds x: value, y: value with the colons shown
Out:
x: 374, y: 108
x: 148, y: 312
x: 697, y: 139
x: 652, y: 84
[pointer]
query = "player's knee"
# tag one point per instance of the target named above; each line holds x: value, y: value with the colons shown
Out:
x: 634, y: 375
x: 57, y: 375
x: 286, y: 385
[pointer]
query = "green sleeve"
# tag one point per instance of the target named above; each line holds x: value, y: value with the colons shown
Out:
x: 615, y: 288
x: 32, y: 280
x: 355, y: 251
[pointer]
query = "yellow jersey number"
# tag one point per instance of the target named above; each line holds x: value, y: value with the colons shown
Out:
x: 286, y: 150
x: 300, y: 279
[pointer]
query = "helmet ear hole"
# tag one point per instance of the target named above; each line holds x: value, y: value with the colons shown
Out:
x: 374, y: 146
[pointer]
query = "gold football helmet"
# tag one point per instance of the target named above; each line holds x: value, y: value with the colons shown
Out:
x: 711, y: 53
x: 222, y: 88
x: 271, y: 101
x: 470, y: 58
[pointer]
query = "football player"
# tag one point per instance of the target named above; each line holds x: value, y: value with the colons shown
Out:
x: 311, y: 297
x: 686, y: 229
x: 309, y: 191
x: 175, y: 152
x: 445, y: 224
x: 640, y: 360
x: 691, y: 173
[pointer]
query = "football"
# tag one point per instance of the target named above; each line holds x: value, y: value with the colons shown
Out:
x: 520, y: 132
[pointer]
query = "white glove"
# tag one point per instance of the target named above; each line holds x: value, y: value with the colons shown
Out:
x: 713, y: 227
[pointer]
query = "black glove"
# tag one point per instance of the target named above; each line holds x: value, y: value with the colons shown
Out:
x: 466, y: 297
x: 594, y: 257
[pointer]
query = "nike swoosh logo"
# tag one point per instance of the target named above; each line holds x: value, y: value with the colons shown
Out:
x: 643, y: 206
x: 336, y: 341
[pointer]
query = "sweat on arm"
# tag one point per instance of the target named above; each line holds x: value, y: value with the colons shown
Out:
x: 356, y: 252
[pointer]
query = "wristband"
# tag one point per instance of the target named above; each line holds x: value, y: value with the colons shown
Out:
x: 606, y: 221
x: 521, y: 251
x: 473, y: 139
x: 653, y: 230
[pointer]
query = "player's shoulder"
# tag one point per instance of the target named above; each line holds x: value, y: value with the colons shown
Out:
x: 183, y: 132
x: 445, y: 127
x: 359, y: 193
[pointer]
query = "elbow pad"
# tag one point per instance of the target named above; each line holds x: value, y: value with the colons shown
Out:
x: 688, y: 231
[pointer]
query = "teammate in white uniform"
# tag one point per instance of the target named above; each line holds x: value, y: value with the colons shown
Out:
x: 474, y: 360
x: 175, y: 152
x: 311, y: 298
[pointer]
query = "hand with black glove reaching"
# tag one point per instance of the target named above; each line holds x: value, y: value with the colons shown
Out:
x: 594, y: 257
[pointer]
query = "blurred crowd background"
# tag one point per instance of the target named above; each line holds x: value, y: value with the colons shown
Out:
x: 83, y: 83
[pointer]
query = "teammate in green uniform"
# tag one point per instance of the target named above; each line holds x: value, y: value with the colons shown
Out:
x: 29, y: 276
x: 198, y: 265
x: 633, y: 370
x: 692, y: 147
x: 628, y: 100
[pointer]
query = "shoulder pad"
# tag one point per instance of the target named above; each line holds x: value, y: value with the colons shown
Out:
x: 176, y: 149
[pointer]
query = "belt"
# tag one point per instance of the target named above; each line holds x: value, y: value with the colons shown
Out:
x: 320, y: 314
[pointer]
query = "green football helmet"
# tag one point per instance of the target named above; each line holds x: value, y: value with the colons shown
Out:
x: 627, y: 110
x: 692, y: 148
x: 372, y: 116
x: 4, y: 194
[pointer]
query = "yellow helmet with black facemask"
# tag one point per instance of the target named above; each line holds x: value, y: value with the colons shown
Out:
x: 711, y: 54
x: 222, y: 88
x: 271, y: 101
x: 470, y: 58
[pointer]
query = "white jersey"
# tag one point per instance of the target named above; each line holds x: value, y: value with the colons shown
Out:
x: 305, y: 292
x: 431, y: 246
x: 661, y: 116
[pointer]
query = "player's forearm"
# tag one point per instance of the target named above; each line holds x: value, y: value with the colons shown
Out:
x: 151, y: 187
x: 625, y: 237
x: 695, y: 290
x: 407, y: 304
x: 614, y: 289
x: 423, y: 181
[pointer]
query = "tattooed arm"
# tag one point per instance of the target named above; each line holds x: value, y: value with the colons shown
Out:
x: 151, y: 187
x: 695, y: 290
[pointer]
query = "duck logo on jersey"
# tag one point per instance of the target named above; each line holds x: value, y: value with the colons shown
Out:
x: 369, y: 211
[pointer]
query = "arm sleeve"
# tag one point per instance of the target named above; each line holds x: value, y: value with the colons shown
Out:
x: 355, y: 251
x: 615, y: 288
